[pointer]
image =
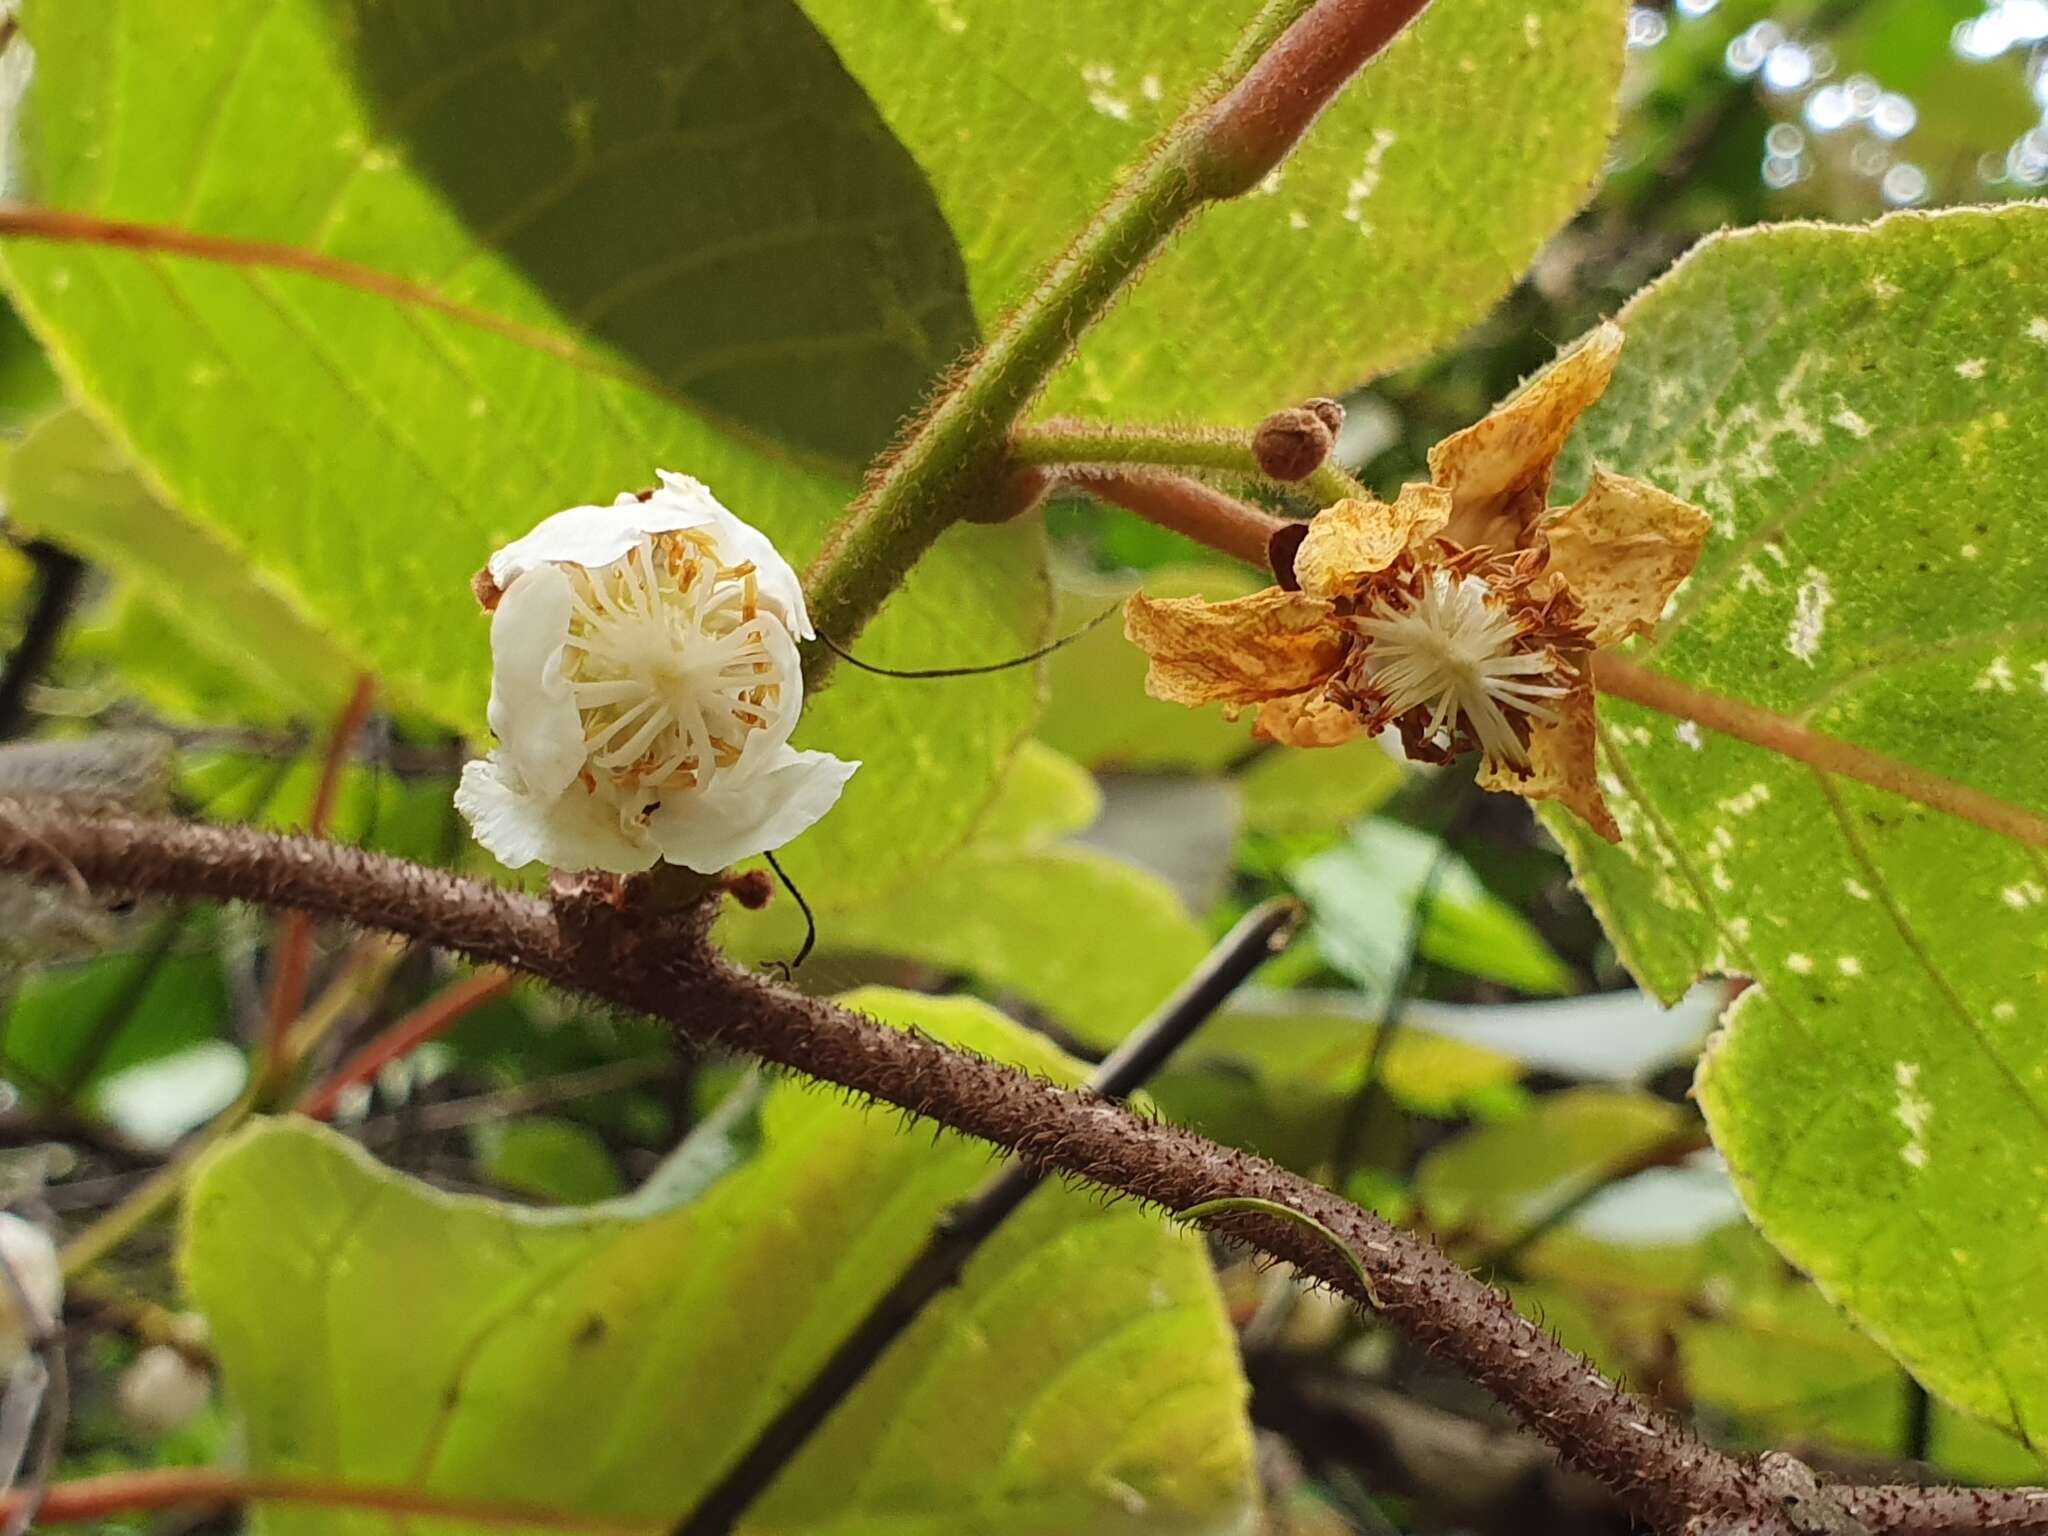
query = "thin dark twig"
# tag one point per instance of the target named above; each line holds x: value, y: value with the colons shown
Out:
x: 47, y: 1343
x: 961, y: 1231
x: 979, y: 671
x: 803, y: 953
x: 60, y: 577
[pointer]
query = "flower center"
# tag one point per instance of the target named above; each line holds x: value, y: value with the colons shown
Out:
x: 1454, y: 649
x: 669, y: 662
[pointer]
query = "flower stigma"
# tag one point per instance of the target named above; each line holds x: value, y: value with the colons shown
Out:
x: 670, y: 663
x: 1450, y: 646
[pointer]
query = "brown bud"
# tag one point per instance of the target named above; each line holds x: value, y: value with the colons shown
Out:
x: 1331, y: 413
x: 1280, y: 553
x: 1291, y: 444
x: 487, y: 590
x: 751, y: 888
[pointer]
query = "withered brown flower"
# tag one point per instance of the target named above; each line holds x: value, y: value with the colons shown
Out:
x: 1464, y: 614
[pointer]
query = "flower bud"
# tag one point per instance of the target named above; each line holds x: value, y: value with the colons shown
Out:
x: 1292, y: 444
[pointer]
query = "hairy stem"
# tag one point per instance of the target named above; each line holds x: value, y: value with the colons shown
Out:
x: 1080, y: 446
x: 1289, y: 65
x: 1186, y: 507
x: 1664, y: 1472
x: 961, y: 1231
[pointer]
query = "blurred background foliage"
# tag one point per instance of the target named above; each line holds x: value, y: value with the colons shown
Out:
x: 1452, y: 1042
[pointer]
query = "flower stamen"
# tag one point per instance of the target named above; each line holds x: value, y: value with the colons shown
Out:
x: 1453, y: 661
x: 665, y: 657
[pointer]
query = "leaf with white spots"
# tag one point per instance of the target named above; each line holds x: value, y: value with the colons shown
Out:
x: 1858, y: 409
x: 616, y: 215
x: 1417, y: 201
x: 373, y: 1329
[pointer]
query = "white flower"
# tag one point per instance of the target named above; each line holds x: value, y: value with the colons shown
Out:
x: 644, y: 685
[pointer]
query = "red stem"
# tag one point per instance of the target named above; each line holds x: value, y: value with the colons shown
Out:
x: 431, y: 1019
x: 295, y: 931
x: 99, y: 1498
x: 1259, y: 121
x: 1186, y: 506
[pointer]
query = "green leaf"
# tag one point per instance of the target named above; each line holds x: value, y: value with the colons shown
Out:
x: 1045, y: 797
x: 150, y: 1006
x: 1314, y: 1042
x: 1120, y: 1407
x: 1276, y: 1072
x: 552, y: 1158
x: 365, y: 451
x: 1291, y: 794
x: 1023, y: 122
x: 373, y: 807
x: 1855, y: 408
x: 1497, y: 1182
x: 1363, y: 894
x: 1095, y: 942
x: 1099, y: 712
x: 66, y: 482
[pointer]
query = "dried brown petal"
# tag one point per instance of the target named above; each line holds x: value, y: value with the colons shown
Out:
x: 1623, y: 548
x: 1361, y: 536
x: 1245, y: 651
x: 1498, y: 470
x: 1307, y: 720
x: 1562, y: 762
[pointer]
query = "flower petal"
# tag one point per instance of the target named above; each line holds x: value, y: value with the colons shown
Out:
x: 1307, y: 720
x: 733, y: 819
x: 596, y: 536
x: 1359, y: 536
x: 1498, y: 469
x: 1623, y: 548
x: 1562, y: 765
x: 681, y: 497
x: 576, y: 830
x: 1264, y: 646
x: 533, y: 709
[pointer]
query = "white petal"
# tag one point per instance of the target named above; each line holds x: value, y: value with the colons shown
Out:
x: 734, y: 818
x: 569, y: 831
x: 596, y: 536
x: 737, y: 540
x: 533, y: 710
